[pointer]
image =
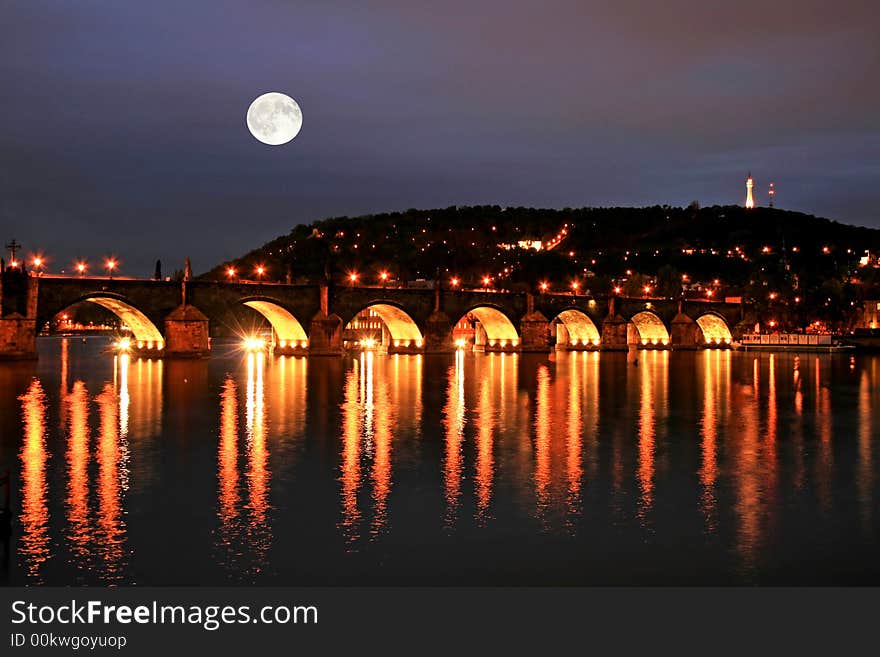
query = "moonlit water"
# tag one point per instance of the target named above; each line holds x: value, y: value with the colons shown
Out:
x: 709, y: 467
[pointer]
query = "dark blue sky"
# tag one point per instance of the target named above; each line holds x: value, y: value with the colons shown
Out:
x: 122, y: 123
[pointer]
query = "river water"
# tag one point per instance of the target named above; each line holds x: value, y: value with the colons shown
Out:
x: 709, y: 467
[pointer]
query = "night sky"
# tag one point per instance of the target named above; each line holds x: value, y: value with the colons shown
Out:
x: 122, y: 123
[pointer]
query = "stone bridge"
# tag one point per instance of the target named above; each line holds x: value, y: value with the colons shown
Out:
x: 177, y: 318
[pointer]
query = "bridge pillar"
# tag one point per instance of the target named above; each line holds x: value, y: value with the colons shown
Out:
x: 325, y: 335
x: 18, y: 338
x: 480, y: 337
x: 438, y: 334
x: 684, y: 333
x: 534, y: 332
x: 186, y: 333
x: 562, y: 337
x: 614, y: 333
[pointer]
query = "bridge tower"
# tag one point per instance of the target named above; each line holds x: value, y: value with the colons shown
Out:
x: 18, y: 312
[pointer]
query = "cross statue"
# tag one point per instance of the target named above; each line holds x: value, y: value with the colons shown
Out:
x: 13, y: 246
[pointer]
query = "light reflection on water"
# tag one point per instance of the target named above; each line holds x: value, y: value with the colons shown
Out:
x: 572, y: 467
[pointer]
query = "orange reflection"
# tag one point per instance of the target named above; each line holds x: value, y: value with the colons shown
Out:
x: 865, y: 477
x: 574, y: 436
x: 825, y: 462
x: 110, y: 523
x: 77, y: 501
x: 542, y: 441
x: 227, y: 463
x: 485, y: 458
x: 647, y: 437
x: 453, y: 422
x: 34, y: 547
x: 754, y: 465
x: 709, y: 431
x: 384, y: 421
x: 65, y: 369
x: 369, y: 421
x: 749, y: 503
x: 797, y: 434
x: 351, y: 453
x: 258, y: 474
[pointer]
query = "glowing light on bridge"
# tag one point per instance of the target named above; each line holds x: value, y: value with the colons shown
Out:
x: 486, y: 281
x: 383, y: 276
x: 496, y: 324
x: 260, y: 271
x: 123, y: 344
x: 253, y: 344
x: 81, y: 268
x: 580, y: 328
x: 230, y: 272
x: 401, y: 326
x: 650, y: 329
x: 141, y: 327
x: 715, y: 329
x: 110, y: 265
x: 454, y: 282
x: 544, y: 286
x: 287, y: 328
x: 352, y: 277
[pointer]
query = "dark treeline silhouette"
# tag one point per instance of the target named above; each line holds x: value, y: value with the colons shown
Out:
x: 750, y: 252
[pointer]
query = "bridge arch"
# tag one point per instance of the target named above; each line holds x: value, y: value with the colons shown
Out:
x: 577, y: 328
x: 142, y: 327
x: 288, y: 329
x: 495, y: 329
x: 648, y: 329
x: 403, y: 331
x: 715, y: 329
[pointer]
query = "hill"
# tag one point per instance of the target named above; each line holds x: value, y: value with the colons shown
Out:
x: 726, y: 248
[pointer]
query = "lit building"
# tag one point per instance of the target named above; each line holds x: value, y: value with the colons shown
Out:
x: 525, y: 245
x: 464, y: 330
x: 872, y: 315
x: 367, y: 325
x: 750, y: 201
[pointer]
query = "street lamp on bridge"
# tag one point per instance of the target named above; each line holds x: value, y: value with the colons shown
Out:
x: 110, y: 265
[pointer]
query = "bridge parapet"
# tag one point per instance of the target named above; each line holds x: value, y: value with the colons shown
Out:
x: 312, y: 317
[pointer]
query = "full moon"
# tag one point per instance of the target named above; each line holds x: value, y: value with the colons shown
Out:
x: 274, y: 118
